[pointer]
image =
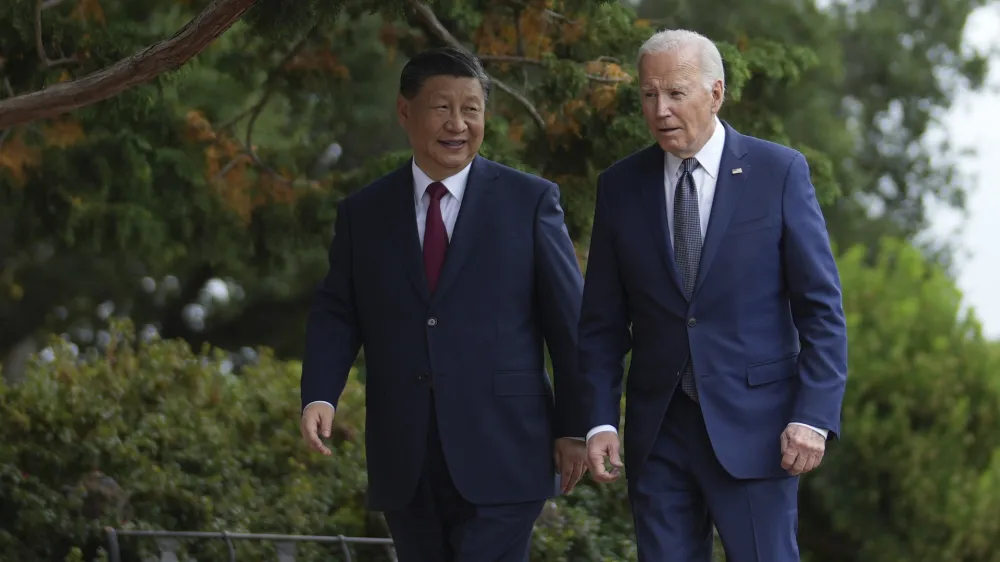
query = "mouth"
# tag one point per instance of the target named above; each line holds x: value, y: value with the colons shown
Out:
x: 452, y: 144
x: 668, y: 130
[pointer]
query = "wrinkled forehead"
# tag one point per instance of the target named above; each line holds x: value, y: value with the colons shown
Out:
x: 679, y: 66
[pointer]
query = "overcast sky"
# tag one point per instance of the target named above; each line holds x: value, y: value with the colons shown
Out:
x: 974, y: 122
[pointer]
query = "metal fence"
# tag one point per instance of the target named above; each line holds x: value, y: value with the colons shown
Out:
x: 285, y: 545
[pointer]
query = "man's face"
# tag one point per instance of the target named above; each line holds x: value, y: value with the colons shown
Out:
x: 679, y: 110
x: 445, y: 124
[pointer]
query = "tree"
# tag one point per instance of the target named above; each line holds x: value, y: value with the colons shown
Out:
x: 212, y: 172
x: 917, y: 473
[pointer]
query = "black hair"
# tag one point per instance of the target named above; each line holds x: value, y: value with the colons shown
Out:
x: 442, y: 61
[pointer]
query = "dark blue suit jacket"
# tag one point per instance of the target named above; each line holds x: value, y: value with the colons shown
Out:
x: 765, y: 327
x: 510, y: 281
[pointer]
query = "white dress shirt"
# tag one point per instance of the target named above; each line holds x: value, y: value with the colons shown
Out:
x: 450, y: 204
x: 705, y: 177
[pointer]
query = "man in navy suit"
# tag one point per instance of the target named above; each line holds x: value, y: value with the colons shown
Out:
x: 453, y: 272
x: 711, y: 263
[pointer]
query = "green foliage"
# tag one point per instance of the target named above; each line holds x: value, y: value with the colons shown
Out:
x: 153, y: 436
x: 917, y: 474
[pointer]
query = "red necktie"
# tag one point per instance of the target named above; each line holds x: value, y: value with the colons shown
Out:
x: 435, y: 235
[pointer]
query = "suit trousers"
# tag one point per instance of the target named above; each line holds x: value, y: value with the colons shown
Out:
x: 682, y: 491
x: 439, y: 525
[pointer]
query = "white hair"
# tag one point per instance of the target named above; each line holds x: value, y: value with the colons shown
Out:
x: 671, y: 40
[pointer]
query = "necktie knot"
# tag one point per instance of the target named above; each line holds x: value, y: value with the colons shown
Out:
x: 689, y: 164
x: 437, y: 190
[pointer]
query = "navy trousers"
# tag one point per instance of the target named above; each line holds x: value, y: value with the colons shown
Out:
x: 682, y: 491
x: 439, y: 525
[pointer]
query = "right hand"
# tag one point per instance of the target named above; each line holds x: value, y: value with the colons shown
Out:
x: 604, y: 445
x: 317, y: 420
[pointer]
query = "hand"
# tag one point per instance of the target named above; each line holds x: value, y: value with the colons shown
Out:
x: 802, y: 449
x: 317, y: 419
x: 604, y: 445
x: 571, y: 461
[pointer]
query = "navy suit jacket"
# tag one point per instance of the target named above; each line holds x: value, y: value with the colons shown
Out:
x: 765, y: 326
x: 510, y: 283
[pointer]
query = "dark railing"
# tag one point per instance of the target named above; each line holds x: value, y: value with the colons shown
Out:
x: 285, y: 545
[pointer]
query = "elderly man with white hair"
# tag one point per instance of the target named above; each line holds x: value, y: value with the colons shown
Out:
x: 710, y: 262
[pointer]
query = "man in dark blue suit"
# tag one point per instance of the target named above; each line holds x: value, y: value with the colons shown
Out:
x: 453, y: 272
x: 710, y: 261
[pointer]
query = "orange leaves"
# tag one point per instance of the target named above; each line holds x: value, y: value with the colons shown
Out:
x: 236, y: 175
x: 604, y: 91
x: 89, y: 11
x: 17, y: 157
x: 322, y: 60
x: 388, y: 34
x: 63, y: 133
x: 515, y: 132
x: 565, y: 122
x: 197, y: 128
x: 228, y: 169
x: 499, y: 34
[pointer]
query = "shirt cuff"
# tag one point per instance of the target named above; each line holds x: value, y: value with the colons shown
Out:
x: 318, y: 402
x: 601, y: 429
x: 823, y: 432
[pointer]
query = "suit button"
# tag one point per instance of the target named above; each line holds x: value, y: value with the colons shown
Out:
x: 423, y: 377
x: 432, y: 322
x: 692, y: 322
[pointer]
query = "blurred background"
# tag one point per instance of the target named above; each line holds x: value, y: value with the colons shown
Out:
x: 159, y: 249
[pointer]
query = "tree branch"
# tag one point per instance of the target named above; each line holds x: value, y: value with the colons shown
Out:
x: 39, y: 43
x: 434, y: 25
x: 508, y: 59
x: 139, y: 68
x: 254, y: 112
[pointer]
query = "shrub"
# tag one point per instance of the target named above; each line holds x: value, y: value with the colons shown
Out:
x: 153, y: 436
x: 917, y: 475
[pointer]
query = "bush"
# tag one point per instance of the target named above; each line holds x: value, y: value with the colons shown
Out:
x: 152, y: 436
x: 917, y: 475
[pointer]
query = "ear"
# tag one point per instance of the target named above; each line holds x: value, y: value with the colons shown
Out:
x: 718, y: 94
x: 402, y: 109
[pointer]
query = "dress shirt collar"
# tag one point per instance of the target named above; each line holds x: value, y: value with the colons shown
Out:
x: 455, y: 184
x: 709, y: 157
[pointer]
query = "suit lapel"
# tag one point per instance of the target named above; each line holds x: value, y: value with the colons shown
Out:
x: 654, y: 201
x: 472, y: 222
x: 404, y: 229
x: 728, y: 188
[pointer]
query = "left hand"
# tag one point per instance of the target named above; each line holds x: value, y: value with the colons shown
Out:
x: 571, y: 461
x: 802, y: 449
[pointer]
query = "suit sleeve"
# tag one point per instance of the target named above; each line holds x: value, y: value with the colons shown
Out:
x: 604, y: 335
x: 333, y: 334
x: 559, y: 289
x: 816, y: 303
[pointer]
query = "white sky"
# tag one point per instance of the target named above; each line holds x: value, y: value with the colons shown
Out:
x: 974, y: 122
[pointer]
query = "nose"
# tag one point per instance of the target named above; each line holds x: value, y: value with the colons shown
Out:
x: 664, y: 106
x: 456, y: 123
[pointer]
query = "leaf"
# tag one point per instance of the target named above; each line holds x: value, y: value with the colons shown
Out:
x: 197, y: 127
x: 63, y: 133
x: 89, y: 11
x: 18, y: 157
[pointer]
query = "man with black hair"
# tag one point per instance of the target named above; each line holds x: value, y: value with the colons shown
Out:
x: 453, y: 272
